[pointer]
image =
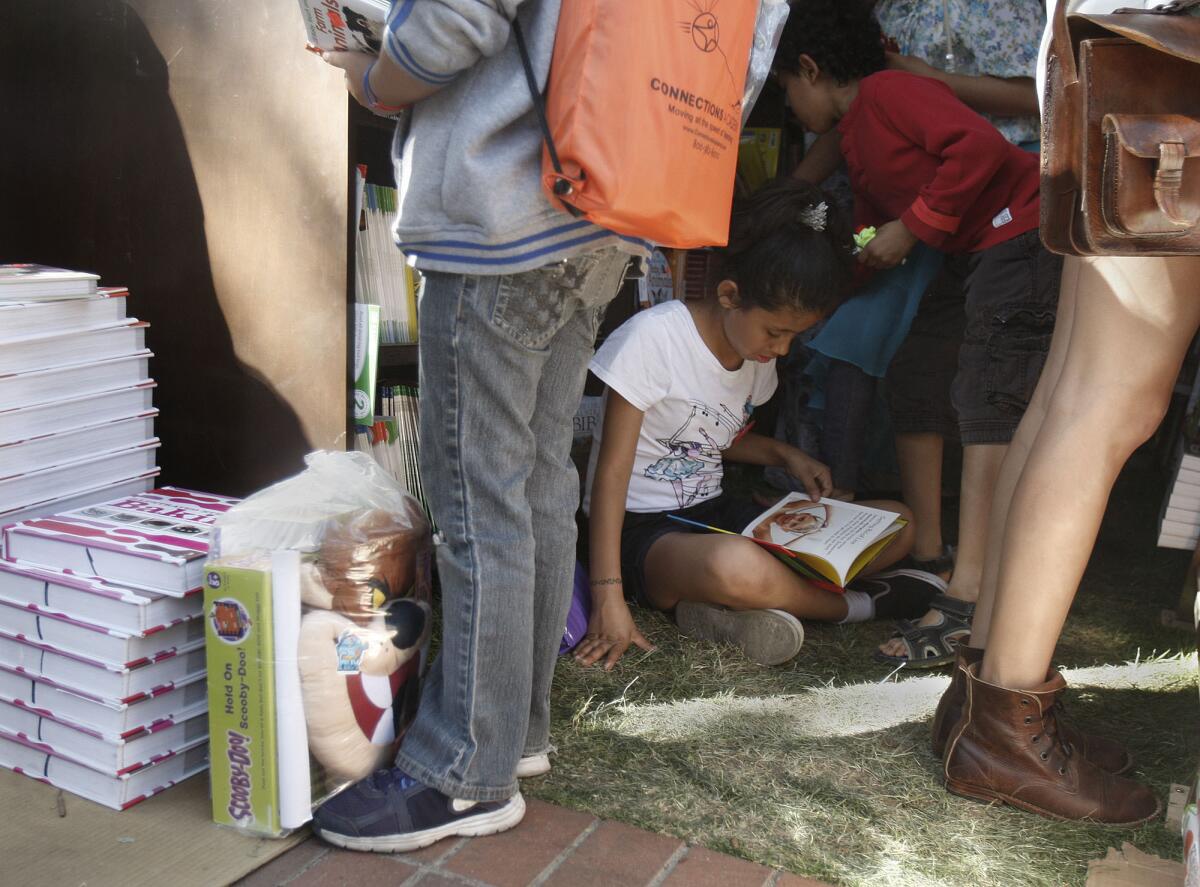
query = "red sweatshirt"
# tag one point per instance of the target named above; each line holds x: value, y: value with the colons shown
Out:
x: 916, y: 153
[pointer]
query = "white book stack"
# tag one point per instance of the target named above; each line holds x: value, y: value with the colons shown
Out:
x: 1179, y: 520
x: 76, y: 398
x: 1179, y: 526
x: 102, y: 665
x: 382, y: 276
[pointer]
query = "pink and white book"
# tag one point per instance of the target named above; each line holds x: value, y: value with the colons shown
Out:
x: 101, y: 715
x: 110, y: 753
x: 117, y: 792
x: 78, y: 499
x: 90, y: 599
x: 122, y: 684
x: 43, y: 350
x: 20, y: 490
x: 73, y: 380
x: 20, y: 319
x: 24, y: 456
x: 26, y: 282
x: 50, y: 416
x: 158, y: 540
x: 42, y: 625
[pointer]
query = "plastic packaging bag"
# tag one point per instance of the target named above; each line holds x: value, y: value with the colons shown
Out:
x: 318, y: 601
x: 768, y: 28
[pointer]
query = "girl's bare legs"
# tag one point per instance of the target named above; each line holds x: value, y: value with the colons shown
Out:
x: 734, y: 572
x: 920, y: 459
x: 981, y: 466
x: 1132, y: 321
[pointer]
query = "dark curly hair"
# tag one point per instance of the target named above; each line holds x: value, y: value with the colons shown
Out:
x: 841, y: 36
x: 777, y: 260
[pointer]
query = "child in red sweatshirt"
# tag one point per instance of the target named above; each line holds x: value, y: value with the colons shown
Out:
x: 923, y: 166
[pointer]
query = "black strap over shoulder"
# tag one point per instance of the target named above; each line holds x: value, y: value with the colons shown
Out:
x: 562, y: 186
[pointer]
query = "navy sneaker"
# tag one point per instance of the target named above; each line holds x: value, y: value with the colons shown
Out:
x: 390, y: 812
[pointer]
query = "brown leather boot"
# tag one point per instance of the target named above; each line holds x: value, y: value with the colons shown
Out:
x: 1007, y: 747
x: 1107, y: 754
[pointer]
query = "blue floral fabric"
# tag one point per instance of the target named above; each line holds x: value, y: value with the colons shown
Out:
x: 999, y: 38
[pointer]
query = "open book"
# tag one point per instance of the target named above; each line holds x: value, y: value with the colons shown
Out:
x: 827, y: 540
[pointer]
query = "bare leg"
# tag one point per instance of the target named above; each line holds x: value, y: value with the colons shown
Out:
x: 1018, y: 453
x: 981, y: 465
x: 920, y: 459
x: 1133, y: 320
x: 733, y: 572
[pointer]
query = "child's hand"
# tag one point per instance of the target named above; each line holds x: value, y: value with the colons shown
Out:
x: 610, y: 632
x: 889, y: 246
x: 354, y: 65
x: 816, y: 476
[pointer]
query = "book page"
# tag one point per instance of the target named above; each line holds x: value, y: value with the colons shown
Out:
x: 826, y: 530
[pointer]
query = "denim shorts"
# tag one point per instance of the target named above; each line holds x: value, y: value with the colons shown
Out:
x: 978, y: 343
x: 642, y: 529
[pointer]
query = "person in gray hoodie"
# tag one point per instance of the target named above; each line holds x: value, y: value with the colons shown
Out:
x: 514, y: 292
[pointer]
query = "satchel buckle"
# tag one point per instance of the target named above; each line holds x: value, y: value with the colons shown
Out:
x: 1168, y: 181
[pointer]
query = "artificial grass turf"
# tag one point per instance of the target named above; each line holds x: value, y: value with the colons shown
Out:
x: 798, y: 784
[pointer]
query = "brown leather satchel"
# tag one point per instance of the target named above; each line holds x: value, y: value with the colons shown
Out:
x: 1121, y: 132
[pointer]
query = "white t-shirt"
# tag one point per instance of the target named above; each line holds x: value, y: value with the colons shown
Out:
x: 694, y: 408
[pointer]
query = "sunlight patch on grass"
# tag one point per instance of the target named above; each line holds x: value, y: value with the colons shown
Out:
x: 856, y: 709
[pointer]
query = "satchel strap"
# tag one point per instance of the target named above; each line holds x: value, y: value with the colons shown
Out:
x: 1175, y: 7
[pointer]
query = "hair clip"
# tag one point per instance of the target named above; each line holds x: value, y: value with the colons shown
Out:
x: 814, y: 216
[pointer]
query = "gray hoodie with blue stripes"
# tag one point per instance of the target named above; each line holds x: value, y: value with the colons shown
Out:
x: 468, y: 158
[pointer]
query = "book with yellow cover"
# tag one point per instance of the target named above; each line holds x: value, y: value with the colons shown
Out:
x: 828, y: 541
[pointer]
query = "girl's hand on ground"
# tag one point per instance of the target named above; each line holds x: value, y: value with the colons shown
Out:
x: 891, y: 244
x: 610, y: 633
x: 816, y: 476
x: 354, y: 65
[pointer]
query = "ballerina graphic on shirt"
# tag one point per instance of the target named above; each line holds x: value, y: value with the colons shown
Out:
x: 693, y: 462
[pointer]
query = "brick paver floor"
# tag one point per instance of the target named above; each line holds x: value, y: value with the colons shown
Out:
x: 553, y: 846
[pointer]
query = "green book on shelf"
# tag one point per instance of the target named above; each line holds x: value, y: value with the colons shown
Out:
x: 366, y: 362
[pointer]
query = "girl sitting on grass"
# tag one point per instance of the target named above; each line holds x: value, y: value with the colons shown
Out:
x: 683, y: 380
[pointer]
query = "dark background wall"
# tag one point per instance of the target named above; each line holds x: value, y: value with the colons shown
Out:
x: 192, y: 151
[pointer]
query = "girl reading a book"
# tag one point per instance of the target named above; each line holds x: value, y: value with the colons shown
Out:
x: 683, y: 380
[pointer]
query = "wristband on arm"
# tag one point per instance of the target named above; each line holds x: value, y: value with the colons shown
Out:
x: 373, y: 102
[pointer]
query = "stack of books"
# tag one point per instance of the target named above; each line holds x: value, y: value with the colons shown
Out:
x: 1179, y: 519
x: 382, y: 276
x: 1179, y: 526
x: 76, y: 413
x: 393, y: 439
x: 102, y: 665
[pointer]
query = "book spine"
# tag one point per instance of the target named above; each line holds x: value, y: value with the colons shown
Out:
x: 366, y: 361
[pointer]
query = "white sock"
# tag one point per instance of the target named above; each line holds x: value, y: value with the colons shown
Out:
x: 860, y: 607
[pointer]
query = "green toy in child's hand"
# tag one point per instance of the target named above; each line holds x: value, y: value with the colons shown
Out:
x: 863, y: 236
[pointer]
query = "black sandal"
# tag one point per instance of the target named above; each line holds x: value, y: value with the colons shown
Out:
x: 931, y: 646
x: 943, y: 563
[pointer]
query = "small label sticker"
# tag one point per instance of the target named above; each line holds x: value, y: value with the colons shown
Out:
x: 1002, y: 218
x: 350, y: 650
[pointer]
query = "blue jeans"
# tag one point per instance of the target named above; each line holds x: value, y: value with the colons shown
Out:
x: 503, y: 362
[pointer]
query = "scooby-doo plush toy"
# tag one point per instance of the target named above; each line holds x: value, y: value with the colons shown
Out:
x: 365, y: 622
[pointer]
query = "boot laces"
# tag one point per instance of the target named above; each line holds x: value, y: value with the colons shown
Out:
x: 1053, y: 732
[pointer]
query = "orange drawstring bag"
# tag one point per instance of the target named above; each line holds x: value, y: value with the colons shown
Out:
x: 643, y: 113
